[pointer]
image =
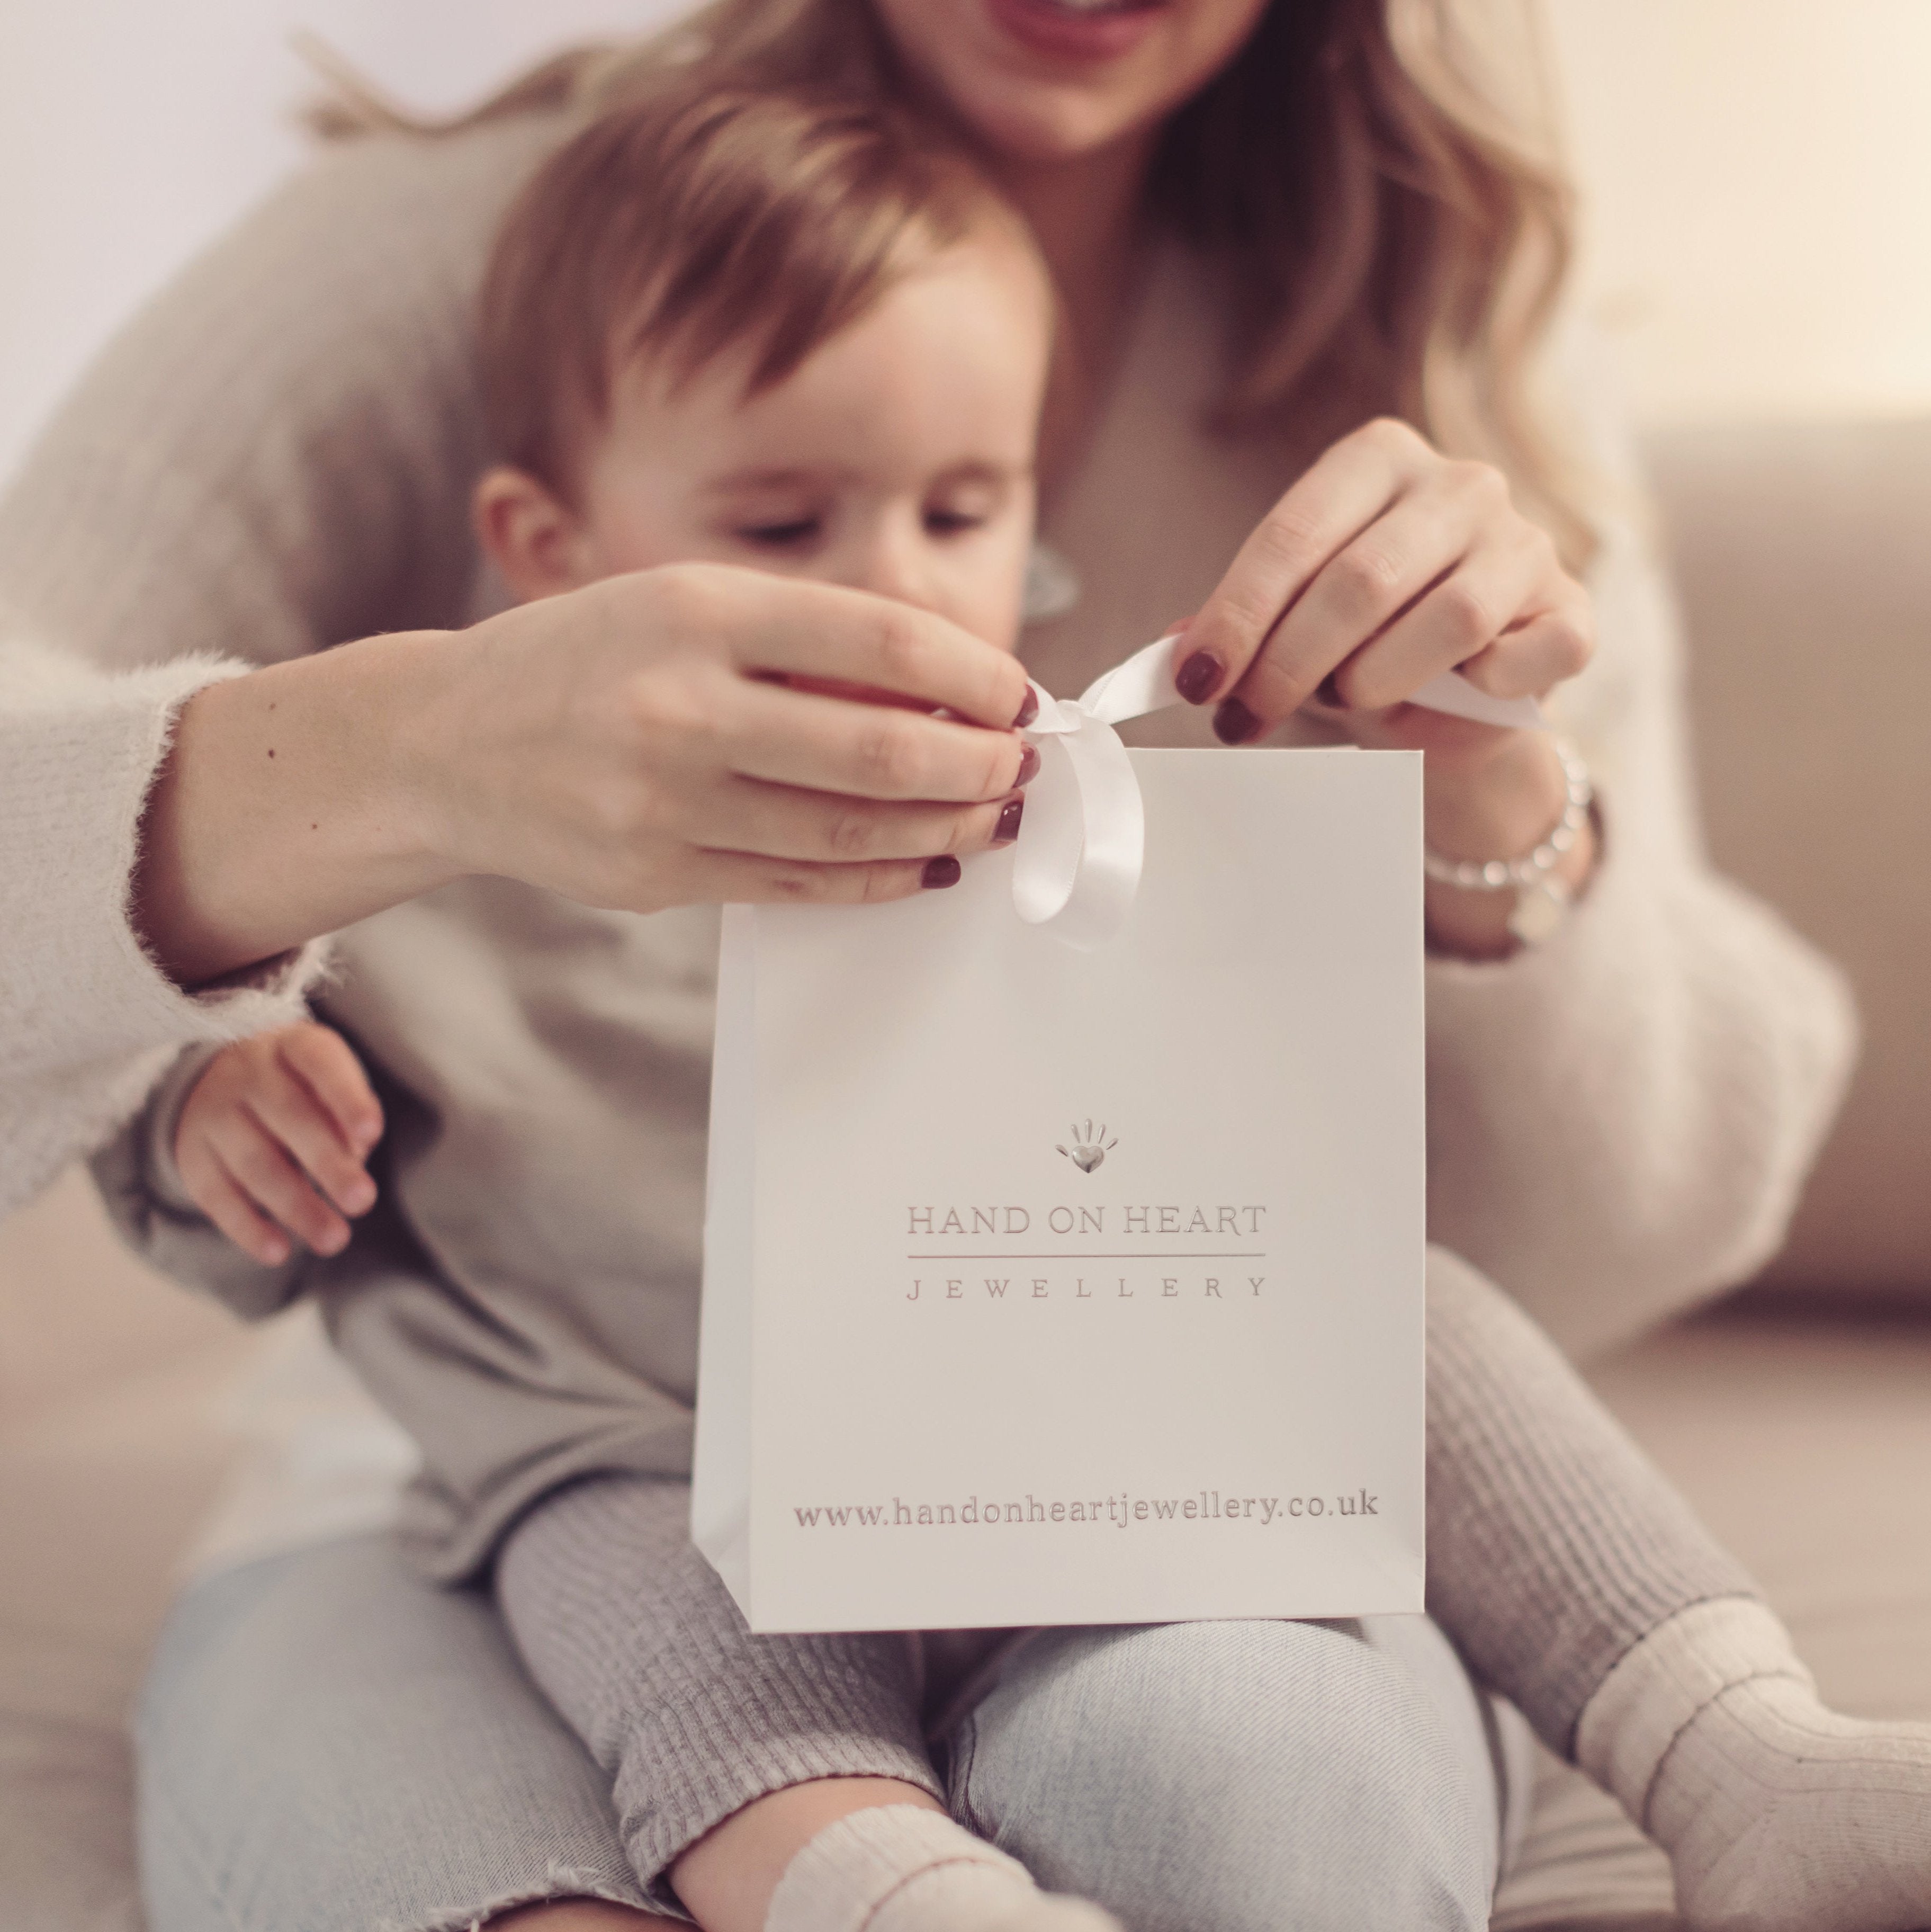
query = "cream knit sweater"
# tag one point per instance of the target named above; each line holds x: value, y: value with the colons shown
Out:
x: 276, y: 456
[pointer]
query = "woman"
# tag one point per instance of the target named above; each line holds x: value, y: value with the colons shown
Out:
x: 276, y: 460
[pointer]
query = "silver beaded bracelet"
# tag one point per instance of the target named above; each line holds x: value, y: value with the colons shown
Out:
x: 1541, y: 897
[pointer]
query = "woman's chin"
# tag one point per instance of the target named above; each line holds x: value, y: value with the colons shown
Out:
x: 1037, y: 123
x: 1051, y: 81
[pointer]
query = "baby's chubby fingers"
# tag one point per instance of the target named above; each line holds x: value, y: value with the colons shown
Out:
x: 226, y: 1202
x: 255, y: 1159
x: 324, y: 1112
x: 272, y: 1138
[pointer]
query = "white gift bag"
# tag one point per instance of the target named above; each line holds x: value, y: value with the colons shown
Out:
x: 1048, y: 1286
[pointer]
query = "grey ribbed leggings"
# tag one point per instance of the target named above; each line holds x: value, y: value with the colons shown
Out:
x: 1554, y: 1546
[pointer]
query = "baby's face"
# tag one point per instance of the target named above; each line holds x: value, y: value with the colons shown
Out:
x: 898, y: 458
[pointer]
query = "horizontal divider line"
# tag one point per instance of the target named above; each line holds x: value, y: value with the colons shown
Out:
x: 1214, y: 1257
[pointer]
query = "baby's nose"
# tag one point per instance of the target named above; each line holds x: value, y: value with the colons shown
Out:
x: 892, y: 566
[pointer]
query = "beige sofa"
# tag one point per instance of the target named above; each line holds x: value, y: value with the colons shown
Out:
x: 1799, y: 1416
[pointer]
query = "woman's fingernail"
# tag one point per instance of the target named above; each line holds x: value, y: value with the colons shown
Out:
x: 1029, y: 709
x: 1007, y: 830
x: 943, y: 871
x: 1029, y: 765
x: 1234, y: 723
x: 1197, y: 676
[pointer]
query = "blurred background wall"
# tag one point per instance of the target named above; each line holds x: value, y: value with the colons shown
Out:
x: 1756, y: 177
x: 131, y: 133
x: 1756, y: 173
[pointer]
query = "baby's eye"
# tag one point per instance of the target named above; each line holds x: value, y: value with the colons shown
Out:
x: 948, y: 523
x: 790, y: 534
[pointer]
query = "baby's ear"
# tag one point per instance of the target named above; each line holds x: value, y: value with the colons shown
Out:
x: 535, y: 541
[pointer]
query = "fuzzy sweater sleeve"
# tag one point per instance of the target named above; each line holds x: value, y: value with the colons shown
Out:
x: 273, y: 457
x: 1620, y: 1119
x: 87, y: 1020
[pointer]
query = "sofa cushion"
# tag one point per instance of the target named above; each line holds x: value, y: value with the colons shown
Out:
x: 1806, y: 580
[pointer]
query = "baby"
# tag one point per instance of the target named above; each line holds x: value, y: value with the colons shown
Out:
x: 775, y: 332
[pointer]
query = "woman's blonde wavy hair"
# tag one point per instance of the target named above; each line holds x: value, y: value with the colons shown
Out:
x: 1395, y: 235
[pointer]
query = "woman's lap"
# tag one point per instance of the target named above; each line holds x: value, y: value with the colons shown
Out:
x: 1241, y: 1777
x: 327, y: 1743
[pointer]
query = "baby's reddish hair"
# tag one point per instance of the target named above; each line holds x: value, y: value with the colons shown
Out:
x: 693, y: 222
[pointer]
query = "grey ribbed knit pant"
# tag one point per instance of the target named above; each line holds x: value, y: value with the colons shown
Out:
x: 1553, y: 1547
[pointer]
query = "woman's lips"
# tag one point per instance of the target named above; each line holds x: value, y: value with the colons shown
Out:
x: 1069, y: 32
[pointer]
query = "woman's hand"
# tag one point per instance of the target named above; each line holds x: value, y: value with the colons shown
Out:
x: 648, y: 741
x: 1386, y: 564
x: 702, y: 733
x: 273, y: 1139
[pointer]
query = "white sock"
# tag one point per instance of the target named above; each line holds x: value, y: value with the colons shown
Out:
x: 1778, y: 1814
x: 903, y: 1868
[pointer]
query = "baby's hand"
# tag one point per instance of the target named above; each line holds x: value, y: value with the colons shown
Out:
x: 276, y: 1128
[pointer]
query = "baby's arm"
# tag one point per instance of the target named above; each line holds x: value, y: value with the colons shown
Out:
x: 272, y: 1139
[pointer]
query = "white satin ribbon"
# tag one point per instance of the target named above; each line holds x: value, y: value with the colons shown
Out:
x: 1082, y: 839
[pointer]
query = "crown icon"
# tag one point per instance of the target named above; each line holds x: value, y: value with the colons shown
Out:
x: 1088, y: 1149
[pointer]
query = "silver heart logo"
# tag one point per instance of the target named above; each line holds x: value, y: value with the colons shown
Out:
x: 1088, y: 1149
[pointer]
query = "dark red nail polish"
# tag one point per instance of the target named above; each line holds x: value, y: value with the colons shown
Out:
x: 1234, y: 723
x: 1029, y: 709
x: 1197, y: 676
x: 939, y: 872
x: 1007, y: 830
x: 1029, y: 765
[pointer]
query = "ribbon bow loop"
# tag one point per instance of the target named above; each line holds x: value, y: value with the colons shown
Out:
x: 1082, y: 840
